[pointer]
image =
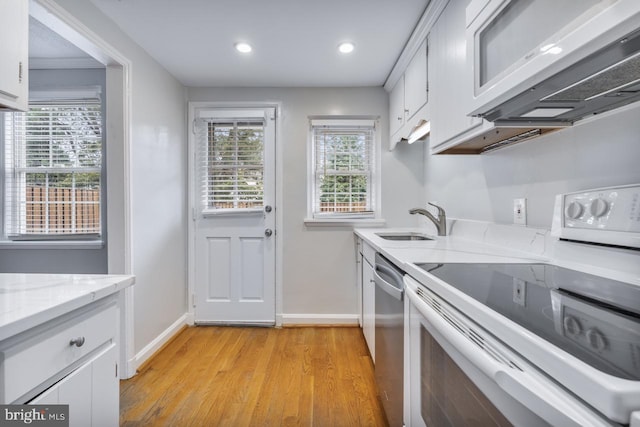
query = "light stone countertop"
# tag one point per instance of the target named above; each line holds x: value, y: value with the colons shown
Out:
x: 28, y: 300
x: 481, y: 242
x: 449, y: 249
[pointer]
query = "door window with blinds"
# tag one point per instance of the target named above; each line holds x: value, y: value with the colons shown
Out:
x: 343, y: 167
x: 53, y: 170
x: 231, y: 152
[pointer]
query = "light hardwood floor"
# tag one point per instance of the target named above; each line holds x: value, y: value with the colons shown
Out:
x: 232, y: 376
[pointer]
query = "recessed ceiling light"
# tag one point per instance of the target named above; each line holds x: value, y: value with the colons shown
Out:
x: 346, y: 47
x: 243, y: 47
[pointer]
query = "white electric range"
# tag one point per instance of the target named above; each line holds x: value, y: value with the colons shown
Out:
x: 553, y: 343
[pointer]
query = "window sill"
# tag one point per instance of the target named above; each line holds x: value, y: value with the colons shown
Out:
x: 52, y: 244
x: 344, y: 222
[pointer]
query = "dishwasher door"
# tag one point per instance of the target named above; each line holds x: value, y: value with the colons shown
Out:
x: 389, y: 337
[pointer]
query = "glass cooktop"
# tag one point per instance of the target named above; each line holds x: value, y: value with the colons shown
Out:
x: 593, y: 318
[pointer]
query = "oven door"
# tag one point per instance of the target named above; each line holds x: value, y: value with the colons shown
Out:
x: 461, y: 376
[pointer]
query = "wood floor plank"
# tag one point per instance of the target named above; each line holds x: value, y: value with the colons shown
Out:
x: 242, y: 376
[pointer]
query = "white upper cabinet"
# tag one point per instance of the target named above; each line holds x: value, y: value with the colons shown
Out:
x: 415, y: 82
x: 408, y: 96
x: 450, y: 92
x: 396, y: 107
x: 14, y: 51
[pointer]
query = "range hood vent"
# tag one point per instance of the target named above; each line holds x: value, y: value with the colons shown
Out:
x: 499, y: 137
x: 607, y: 79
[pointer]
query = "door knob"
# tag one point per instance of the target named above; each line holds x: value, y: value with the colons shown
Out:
x: 268, y: 232
x: 267, y: 208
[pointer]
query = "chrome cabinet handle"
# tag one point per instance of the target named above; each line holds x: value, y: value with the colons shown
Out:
x: 268, y: 232
x: 78, y: 342
x: 268, y: 208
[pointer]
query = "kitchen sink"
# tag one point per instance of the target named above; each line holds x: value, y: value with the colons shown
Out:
x: 404, y: 236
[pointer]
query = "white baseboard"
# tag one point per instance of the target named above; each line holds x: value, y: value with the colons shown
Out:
x: 148, y: 350
x: 320, y: 319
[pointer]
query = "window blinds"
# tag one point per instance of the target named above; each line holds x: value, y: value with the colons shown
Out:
x: 53, y: 164
x: 231, y: 162
x: 343, y: 166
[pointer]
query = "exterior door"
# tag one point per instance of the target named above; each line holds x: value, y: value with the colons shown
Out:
x: 235, y: 216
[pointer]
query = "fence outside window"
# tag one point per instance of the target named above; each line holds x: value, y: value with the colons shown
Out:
x: 58, y: 210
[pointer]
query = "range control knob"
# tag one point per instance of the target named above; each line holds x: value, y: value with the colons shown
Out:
x: 572, y: 326
x: 574, y: 210
x: 599, y: 207
x: 596, y: 339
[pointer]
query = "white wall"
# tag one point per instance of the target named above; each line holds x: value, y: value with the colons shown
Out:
x: 159, y: 180
x: 598, y: 153
x: 318, y: 262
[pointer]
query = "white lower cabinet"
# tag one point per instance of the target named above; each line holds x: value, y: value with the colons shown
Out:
x: 71, y: 360
x: 359, y: 277
x: 75, y: 391
x: 105, y: 389
x: 368, y: 300
x: 91, y: 391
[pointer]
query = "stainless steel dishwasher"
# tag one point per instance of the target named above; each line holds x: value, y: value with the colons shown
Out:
x: 389, y: 337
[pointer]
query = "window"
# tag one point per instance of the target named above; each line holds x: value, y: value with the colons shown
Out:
x: 343, y: 169
x: 231, y: 149
x: 53, y: 168
x: 235, y: 157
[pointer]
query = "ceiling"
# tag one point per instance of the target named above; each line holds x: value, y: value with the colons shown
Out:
x: 294, y: 41
x: 48, y: 49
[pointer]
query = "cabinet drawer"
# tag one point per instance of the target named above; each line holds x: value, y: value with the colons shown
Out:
x: 28, y: 364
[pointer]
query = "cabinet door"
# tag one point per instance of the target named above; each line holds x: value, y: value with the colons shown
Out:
x: 105, y: 389
x: 396, y: 107
x: 447, y: 75
x: 415, y: 82
x: 369, y: 307
x: 75, y: 391
x: 359, y: 260
x: 14, y: 51
x: 91, y: 391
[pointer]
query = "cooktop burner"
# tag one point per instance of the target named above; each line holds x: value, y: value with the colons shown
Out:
x: 593, y: 318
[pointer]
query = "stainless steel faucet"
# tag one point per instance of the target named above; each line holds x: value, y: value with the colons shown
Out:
x: 440, y: 222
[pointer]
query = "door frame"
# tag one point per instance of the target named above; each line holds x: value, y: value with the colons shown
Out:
x: 118, y: 139
x: 192, y: 200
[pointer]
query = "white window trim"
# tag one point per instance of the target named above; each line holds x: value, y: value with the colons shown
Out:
x: 346, y: 220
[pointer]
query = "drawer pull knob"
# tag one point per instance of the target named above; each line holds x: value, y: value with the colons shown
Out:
x: 78, y: 342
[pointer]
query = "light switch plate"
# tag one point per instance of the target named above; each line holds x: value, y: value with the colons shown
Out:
x: 520, y: 211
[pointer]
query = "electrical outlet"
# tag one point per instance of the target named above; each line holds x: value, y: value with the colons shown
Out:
x: 520, y: 211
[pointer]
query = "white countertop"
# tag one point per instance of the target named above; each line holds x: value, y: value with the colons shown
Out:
x: 481, y: 242
x: 28, y: 300
x: 442, y: 249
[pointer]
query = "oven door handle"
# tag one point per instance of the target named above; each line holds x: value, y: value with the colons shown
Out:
x: 526, y: 386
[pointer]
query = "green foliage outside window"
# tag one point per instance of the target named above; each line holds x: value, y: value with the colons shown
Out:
x: 342, y: 165
x: 236, y: 163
